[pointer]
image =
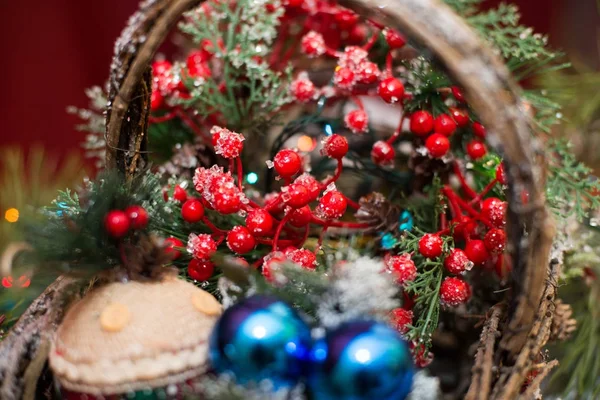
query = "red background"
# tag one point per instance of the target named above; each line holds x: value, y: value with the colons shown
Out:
x: 52, y: 50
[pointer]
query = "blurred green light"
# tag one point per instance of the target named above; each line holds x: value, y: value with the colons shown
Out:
x: 252, y: 178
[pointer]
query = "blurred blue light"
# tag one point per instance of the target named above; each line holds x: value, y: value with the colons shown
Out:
x: 252, y: 178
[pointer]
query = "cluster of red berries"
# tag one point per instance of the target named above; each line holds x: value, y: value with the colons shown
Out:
x: 117, y: 223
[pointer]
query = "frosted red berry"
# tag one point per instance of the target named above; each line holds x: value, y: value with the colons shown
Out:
x: 391, y: 90
x: 302, y: 89
x: 444, y: 124
x: 367, y: 72
x: 116, y: 223
x: 401, y: 319
x: 201, y: 246
x: 240, y: 240
x: 494, y: 210
x: 464, y: 227
x: 200, y: 270
x: 303, y: 257
x: 383, y: 153
x: 259, y: 222
x: 332, y: 205
x: 344, y: 78
x: 226, y: 200
x: 272, y: 265
x: 287, y: 163
x: 358, y: 34
x: 336, y: 146
x: 301, y: 217
x: 500, y: 175
x: 192, y: 211
x: 196, y: 64
x: 357, y: 121
x: 437, y: 145
x: 457, y: 262
x: 313, y: 44
x: 460, y: 116
x: 495, y: 240
x: 458, y: 94
x: 310, y: 183
x: 296, y: 195
x: 476, y: 251
x: 227, y: 144
x: 393, y: 38
x: 421, y: 123
x: 345, y: 18
x: 478, y: 130
x: 454, y: 292
x: 402, y: 267
x: 171, y: 247
x: 156, y: 100
x: 431, y: 245
x: 476, y: 149
x: 138, y: 216
x: 179, y: 194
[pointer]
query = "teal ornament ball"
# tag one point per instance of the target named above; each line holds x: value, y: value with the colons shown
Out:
x: 361, y: 360
x: 261, y: 338
x: 406, y: 221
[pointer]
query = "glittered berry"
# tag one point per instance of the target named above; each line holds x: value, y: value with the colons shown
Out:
x: 201, y: 246
x: 272, y: 265
x: 458, y: 94
x: 476, y: 149
x: 157, y: 100
x: 287, y: 163
x: 402, y: 267
x: 383, y: 153
x: 500, y: 175
x: 345, y: 18
x: 421, y: 123
x: 454, y: 292
x: 332, y: 205
x: 444, y: 124
x: 227, y: 144
x: 393, y: 38
x: 358, y: 34
x: 302, y: 89
x: 116, y: 223
x: 192, y: 211
x: 171, y: 247
x: 313, y: 44
x: 138, y: 216
x: 310, y: 183
x: 495, y: 240
x: 401, y: 319
x: 494, y: 210
x: 259, y: 222
x: 460, y: 116
x: 476, y: 251
x: 197, y: 65
x: 391, y: 90
x: 179, y: 194
x: 357, y: 121
x: 226, y: 200
x: 367, y: 72
x: 431, y: 245
x: 200, y: 270
x: 303, y: 257
x: 344, y: 78
x: 336, y: 146
x: 240, y: 240
x: 457, y: 262
x: 296, y: 195
x: 478, y: 130
x: 437, y: 145
x: 301, y: 217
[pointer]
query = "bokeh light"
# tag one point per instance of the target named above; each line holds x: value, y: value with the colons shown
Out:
x: 11, y: 215
x: 252, y: 178
x: 306, y: 143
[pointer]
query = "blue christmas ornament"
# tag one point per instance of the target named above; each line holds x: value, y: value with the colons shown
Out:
x: 361, y: 360
x: 258, y: 338
x: 388, y: 241
x: 406, y: 221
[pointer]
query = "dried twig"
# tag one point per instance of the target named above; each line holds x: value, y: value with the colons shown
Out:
x: 534, y: 385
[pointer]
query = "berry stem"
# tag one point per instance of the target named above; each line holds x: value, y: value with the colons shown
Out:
x: 358, y: 102
x: 283, y: 221
x: 335, y: 177
x: 388, y: 63
x: 163, y: 118
x: 240, y: 172
x: 212, y: 227
x: 192, y: 125
x: 485, y: 191
x: 340, y: 224
x: 372, y: 40
x: 465, y: 206
x: 397, y: 133
x: 463, y: 182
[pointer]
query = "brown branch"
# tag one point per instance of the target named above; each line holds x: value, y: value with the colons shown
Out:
x: 534, y: 385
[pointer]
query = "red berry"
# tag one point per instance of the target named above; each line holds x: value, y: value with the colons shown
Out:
x: 170, y: 247
x: 346, y: 19
x: 303, y: 257
x: 458, y: 94
x: 421, y: 356
x: 116, y: 223
x: 332, y: 205
x: 391, y: 90
x: 358, y: 34
x: 313, y: 44
x: 296, y: 195
x: 138, y: 216
x: 476, y: 251
x: 357, y: 121
x: 240, y: 240
x: 476, y: 149
x: 344, y: 78
x: 454, y: 291
x: 161, y: 67
x: 457, y: 262
x: 227, y: 144
x: 444, y: 124
x: 431, y: 245
x: 336, y: 146
x: 200, y: 270
x: 437, y: 145
x: 403, y: 268
x: 259, y: 222
x: 494, y: 210
x: 272, y: 265
x: 310, y: 183
x: 393, y: 38
x: 287, y: 163
x: 201, y: 246
x: 192, y: 210
x: 460, y: 116
x: 500, y: 175
x: 301, y: 217
x: 156, y: 100
x: 303, y: 89
x: 179, y: 194
x: 196, y: 64
x: 367, y: 72
x: 400, y: 319
x: 383, y: 153
x: 226, y: 200
x: 495, y: 240
x: 421, y: 123
x: 464, y: 228
x: 478, y: 130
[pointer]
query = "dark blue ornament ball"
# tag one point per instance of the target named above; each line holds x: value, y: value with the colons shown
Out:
x: 261, y: 338
x: 361, y: 360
